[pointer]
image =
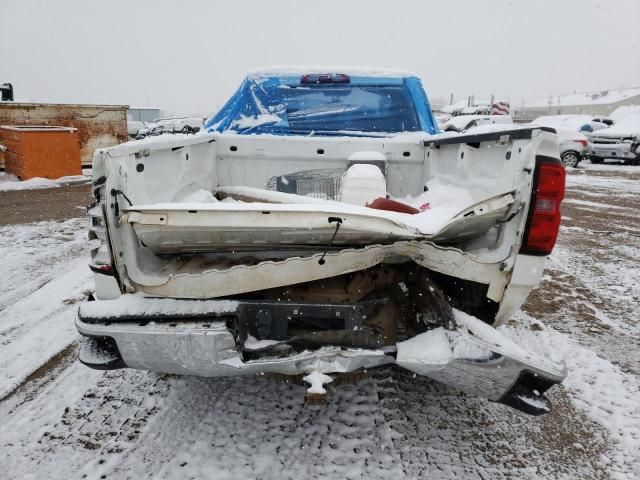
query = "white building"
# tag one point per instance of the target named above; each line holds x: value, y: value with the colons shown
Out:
x: 588, y: 103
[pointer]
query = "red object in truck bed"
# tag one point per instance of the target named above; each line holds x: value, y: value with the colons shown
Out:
x: 392, y: 206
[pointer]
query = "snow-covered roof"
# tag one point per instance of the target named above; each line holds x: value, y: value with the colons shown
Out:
x: 30, y: 103
x: 568, y: 121
x: 311, y: 69
x: 627, y: 126
x: 473, y: 109
x: 461, y: 106
x: 624, y: 111
x: 461, y: 121
x: 603, y: 97
x: 454, y: 106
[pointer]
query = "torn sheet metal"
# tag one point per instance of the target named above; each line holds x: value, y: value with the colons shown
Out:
x: 475, y: 358
x: 270, y: 274
x: 471, y: 356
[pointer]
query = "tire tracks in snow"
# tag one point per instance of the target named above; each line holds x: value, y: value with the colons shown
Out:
x: 39, y: 326
x: 25, y: 449
x: 42, y: 376
x: 23, y: 291
x: 34, y: 254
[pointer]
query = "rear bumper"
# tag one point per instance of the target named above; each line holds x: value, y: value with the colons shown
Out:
x: 200, y: 343
x: 621, y: 150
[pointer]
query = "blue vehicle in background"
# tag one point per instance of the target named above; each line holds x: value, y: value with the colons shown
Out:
x: 345, y: 103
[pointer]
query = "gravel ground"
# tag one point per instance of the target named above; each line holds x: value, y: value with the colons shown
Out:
x: 59, y: 419
x: 37, y: 205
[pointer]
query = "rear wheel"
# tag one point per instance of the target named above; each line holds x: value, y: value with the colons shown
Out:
x: 570, y: 159
x: 187, y: 129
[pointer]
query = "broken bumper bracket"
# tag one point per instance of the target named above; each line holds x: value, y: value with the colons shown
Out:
x: 476, y: 358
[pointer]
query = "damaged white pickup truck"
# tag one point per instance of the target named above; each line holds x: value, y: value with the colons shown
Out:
x: 320, y: 223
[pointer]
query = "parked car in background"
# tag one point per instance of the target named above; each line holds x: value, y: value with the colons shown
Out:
x: 161, y: 126
x: 610, y: 122
x: 441, y: 119
x: 579, y: 123
x: 573, y: 146
x: 480, y: 108
x: 133, y: 127
x: 624, y: 111
x: 180, y: 124
x: 620, y: 142
x: 572, y: 141
x: 172, y: 125
x: 6, y: 92
x: 462, y: 123
x: 145, y: 131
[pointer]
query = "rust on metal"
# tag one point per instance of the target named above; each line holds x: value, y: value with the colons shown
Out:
x: 315, y: 398
x: 41, y: 151
x: 339, y: 378
x: 99, y: 126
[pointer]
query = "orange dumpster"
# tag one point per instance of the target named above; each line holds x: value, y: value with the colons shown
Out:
x: 41, y: 151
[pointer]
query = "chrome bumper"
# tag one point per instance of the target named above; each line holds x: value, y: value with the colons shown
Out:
x: 501, y: 372
x: 611, y: 150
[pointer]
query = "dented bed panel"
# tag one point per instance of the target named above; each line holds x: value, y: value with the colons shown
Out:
x: 180, y: 166
x: 269, y: 274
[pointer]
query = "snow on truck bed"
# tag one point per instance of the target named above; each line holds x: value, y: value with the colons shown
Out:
x: 438, y: 206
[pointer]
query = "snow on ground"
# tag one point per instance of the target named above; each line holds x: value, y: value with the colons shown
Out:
x: 10, y: 182
x: 62, y: 420
x: 44, y: 276
x: 598, y: 387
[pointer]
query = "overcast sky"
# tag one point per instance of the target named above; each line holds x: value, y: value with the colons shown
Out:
x: 189, y: 56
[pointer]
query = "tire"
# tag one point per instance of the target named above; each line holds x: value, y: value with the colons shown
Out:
x: 187, y: 129
x: 596, y: 159
x: 570, y: 159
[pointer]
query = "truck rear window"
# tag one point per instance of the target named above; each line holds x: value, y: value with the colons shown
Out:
x: 350, y: 108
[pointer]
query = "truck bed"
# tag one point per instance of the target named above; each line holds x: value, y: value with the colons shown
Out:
x: 263, y: 222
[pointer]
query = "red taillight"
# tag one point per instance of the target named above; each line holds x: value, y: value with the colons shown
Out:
x: 544, y: 215
x: 325, y: 78
x: 583, y: 142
